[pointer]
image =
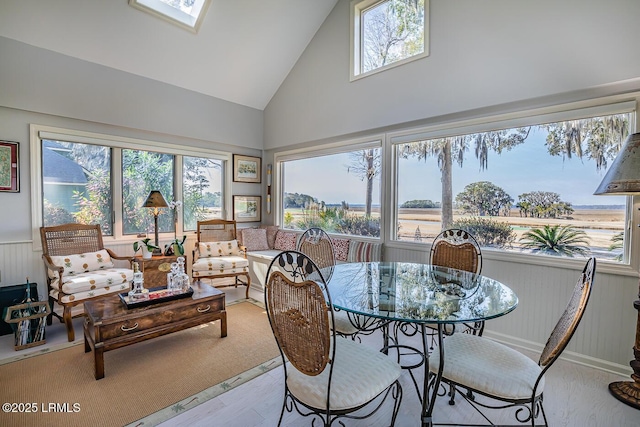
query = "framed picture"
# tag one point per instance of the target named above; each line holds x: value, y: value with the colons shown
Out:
x: 247, y: 169
x: 9, y: 173
x: 246, y: 208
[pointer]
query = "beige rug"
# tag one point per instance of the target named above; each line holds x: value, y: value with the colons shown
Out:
x: 144, y: 383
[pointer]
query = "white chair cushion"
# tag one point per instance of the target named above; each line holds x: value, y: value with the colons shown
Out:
x: 220, y: 265
x: 93, y: 280
x: 68, y: 298
x: 342, y: 324
x: 360, y: 373
x: 487, y: 366
x: 218, y: 249
x: 81, y: 263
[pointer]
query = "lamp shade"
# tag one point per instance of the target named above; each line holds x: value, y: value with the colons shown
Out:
x: 155, y: 200
x: 623, y: 177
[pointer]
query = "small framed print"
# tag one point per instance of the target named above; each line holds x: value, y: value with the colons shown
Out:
x: 9, y: 162
x: 247, y: 169
x: 246, y: 208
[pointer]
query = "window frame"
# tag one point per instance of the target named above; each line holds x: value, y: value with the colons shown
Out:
x: 595, y: 107
x: 374, y: 141
x: 357, y: 8
x: 171, y: 14
x: 39, y: 132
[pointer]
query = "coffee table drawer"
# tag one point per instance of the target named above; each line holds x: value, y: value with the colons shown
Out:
x: 155, y: 318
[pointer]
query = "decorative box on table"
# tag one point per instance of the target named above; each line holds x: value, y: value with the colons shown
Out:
x: 155, y: 269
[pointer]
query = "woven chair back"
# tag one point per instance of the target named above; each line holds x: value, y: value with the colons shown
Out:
x: 457, y: 249
x: 566, y: 326
x: 216, y: 230
x: 69, y: 239
x: 316, y: 244
x: 299, y: 317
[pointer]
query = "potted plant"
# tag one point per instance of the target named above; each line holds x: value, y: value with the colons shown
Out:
x: 176, y: 247
x: 146, y: 246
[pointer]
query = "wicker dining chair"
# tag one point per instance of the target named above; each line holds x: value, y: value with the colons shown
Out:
x: 456, y: 248
x: 477, y: 364
x: 326, y: 376
x: 218, y: 254
x: 79, y: 268
x: 317, y: 245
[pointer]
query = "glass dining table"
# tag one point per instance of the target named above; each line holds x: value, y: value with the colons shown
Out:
x: 426, y: 299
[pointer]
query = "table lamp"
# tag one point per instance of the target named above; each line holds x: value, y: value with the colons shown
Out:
x: 155, y: 200
x: 623, y: 178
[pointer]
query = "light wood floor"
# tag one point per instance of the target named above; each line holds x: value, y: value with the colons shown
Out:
x: 575, y: 395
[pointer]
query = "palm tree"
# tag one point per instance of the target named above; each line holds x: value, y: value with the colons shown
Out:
x: 562, y: 240
x: 617, y: 243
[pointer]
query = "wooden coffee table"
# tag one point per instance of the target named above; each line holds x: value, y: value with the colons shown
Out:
x: 109, y: 324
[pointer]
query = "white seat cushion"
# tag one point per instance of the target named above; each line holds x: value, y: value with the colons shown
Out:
x: 69, y: 298
x: 220, y: 265
x: 360, y: 373
x: 487, y: 366
x: 342, y: 323
x: 93, y: 280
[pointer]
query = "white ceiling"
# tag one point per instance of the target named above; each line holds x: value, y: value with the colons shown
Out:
x: 242, y: 53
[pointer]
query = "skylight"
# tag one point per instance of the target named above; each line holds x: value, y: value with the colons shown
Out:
x: 185, y: 13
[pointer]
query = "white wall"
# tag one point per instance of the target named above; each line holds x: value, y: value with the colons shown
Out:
x: 482, y: 54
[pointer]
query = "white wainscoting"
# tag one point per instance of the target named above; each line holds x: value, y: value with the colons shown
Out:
x: 604, y: 339
x: 606, y: 334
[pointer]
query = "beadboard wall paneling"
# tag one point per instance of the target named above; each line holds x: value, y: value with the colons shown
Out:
x: 604, y: 339
x: 606, y: 334
x: 18, y: 261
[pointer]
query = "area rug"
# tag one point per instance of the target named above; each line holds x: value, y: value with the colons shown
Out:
x: 145, y: 383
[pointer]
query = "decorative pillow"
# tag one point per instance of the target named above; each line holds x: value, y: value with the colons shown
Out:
x: 365, y: 251
x: 82, y: 263
x: 272, y: 230
x: 285, y: 241
x: 255, y: 239
x: 222, y: 248
x: 239, y: 236
x: 340, y: 248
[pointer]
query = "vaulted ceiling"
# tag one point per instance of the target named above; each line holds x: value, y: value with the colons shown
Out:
x: 242, y: 53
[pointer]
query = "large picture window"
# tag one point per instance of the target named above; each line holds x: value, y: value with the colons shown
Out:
x: 339, y: 192
x: 526, y: 189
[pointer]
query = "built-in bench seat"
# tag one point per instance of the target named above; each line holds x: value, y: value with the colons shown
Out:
x: 264, y: 243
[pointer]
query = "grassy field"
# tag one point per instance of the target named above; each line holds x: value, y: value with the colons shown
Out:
x: 599, y: 224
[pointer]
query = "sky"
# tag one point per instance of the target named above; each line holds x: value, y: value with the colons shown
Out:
x: 526, y: 168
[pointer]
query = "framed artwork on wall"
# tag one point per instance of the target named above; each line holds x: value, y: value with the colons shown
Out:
x: 247, y: 169
x: 246, y: 208
x: 9, y: 162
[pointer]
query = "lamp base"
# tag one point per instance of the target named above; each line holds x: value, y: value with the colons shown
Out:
x: 627, y: 392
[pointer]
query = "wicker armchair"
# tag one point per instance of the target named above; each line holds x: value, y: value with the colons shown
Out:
x: 217, y: 254
x: 326, y: 376
x: 79, y: 268
x: 488, y: 368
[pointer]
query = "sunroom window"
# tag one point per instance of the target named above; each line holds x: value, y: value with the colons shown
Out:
x: 338, y: 192
x: 527, y: 188
x: 91, y: 178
